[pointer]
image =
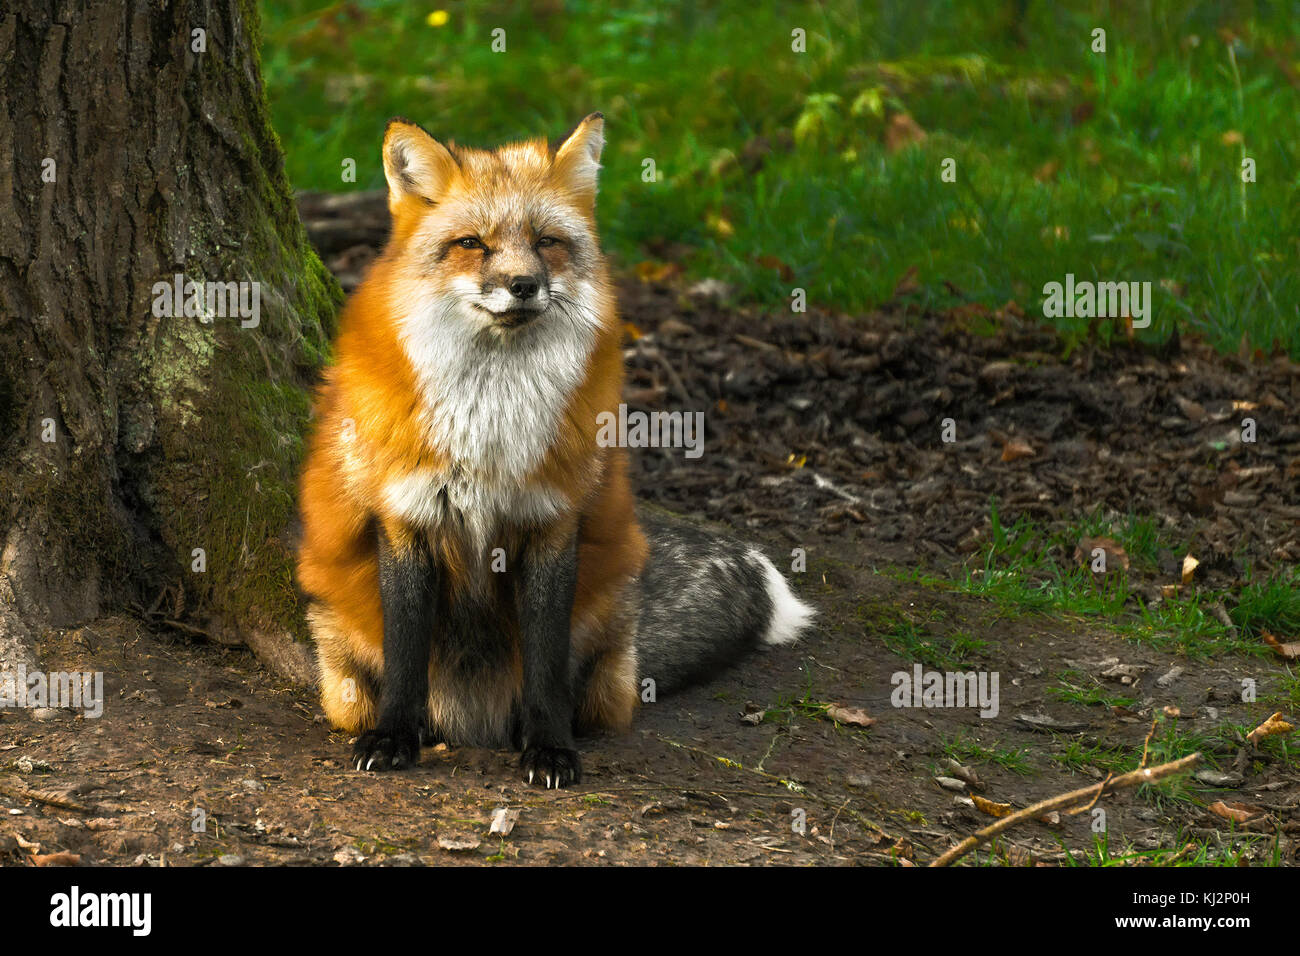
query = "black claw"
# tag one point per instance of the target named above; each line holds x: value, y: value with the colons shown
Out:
x: 550, y: 766
x: 386, y: 748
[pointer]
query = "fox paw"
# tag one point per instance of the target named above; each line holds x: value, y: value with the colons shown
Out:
x: 386, y: 748
x: 550, y: 766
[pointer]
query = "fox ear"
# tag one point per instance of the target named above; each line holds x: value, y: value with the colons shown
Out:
x: 416, y: 165
x: 577, y: 159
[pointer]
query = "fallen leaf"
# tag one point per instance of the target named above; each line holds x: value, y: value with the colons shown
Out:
x: 1236, y: 812
x: 849, y: 715
x: 1189, y: 568
x: 57, y: 859
x: 962, y: 773
x: 503, y: 820
x: 1213, y: 778
x: 998, y: 810
x: 1015, y: 448
x: 1274, y: 725
x: 1289, y: 651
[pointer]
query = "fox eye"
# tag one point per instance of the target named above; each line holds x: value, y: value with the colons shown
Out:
x: 469, y: 242
x: 547, y: 241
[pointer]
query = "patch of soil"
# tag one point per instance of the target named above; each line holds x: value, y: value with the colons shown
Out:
x: 201, y: 757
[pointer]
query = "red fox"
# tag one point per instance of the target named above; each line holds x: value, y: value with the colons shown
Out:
x: 476, y: 570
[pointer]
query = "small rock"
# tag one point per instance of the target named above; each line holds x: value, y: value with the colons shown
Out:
x: 951, y: 783
x: 349, y: 856
x: 230, y: 859
x: 45, y: 713
x: 458, y: 842
x: 1167, y: 678
x: 1213, y: 778
x: 253, y: 785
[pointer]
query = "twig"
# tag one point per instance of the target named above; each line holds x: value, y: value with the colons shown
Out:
x: 1100, y: 790
x: 1147, y: 743
x: 674, y: 378
x: 1130, y: 779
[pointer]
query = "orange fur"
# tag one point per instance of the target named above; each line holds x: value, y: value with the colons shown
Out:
x: 372, y: 430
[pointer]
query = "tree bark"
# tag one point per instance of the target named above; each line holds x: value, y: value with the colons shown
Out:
x: 141, y: 450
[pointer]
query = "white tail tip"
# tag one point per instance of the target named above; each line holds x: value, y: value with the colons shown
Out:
x: 789, y: 614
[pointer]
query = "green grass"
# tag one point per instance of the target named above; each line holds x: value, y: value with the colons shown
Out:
x: 965, y: 750
x: 769, y: 160
x: 1028, y: 567
x: 948, y: 651
x: 1186, y: 852
x: 1078, y: 755
x: 1084, y: 689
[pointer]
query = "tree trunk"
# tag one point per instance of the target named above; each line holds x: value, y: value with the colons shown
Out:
x: 141, y: 449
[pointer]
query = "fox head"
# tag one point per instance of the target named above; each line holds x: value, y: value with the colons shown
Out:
x: 502, y: 239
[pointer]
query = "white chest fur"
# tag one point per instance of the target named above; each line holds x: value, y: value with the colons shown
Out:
x: 491, y: 405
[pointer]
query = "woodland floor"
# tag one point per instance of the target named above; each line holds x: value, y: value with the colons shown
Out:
x: 823, y: 433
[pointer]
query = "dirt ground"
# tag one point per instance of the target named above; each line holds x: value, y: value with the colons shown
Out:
x: 823, y: 433
x: 193, y: 727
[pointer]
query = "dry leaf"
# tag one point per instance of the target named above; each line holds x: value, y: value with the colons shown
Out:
x: 57, y: 859
x: 998, y: 810
x: 503, y: 820
x: 1015, y: 448
x: 1289, y: 651
x: 1190, y: 565
x: 1236, y: 812
x: 849, y: 715
x: 1274, y: 725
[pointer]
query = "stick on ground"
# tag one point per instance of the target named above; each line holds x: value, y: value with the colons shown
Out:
x: 1130, y: 779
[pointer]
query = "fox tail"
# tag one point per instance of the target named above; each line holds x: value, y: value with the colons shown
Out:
x: 706, y: 600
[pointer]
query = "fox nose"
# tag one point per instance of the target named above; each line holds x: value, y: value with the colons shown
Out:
x: 523, y: 287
